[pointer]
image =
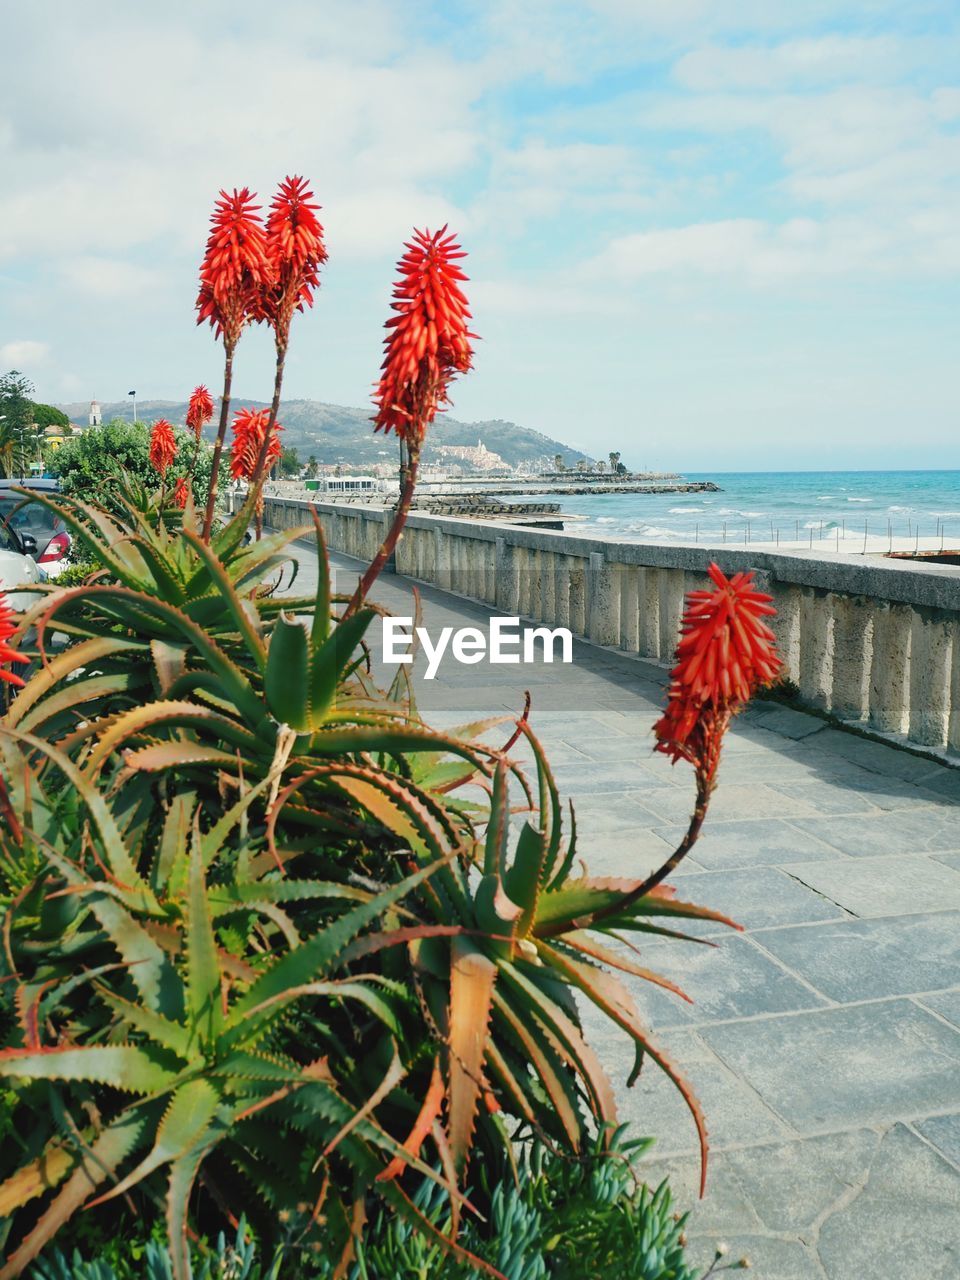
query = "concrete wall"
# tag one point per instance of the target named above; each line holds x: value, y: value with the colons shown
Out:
x: 872, y: 640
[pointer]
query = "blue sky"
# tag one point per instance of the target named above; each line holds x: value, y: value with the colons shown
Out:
x: 713, y: 235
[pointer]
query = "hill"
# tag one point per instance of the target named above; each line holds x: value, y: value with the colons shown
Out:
x: 338, y: 433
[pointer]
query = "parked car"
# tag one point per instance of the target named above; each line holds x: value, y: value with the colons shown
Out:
x: 17, y: 566
x: 32, y: 520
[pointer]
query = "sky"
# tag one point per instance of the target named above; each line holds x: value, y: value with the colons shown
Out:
x: 711, y: 234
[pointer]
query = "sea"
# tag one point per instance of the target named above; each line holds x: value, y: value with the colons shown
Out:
x: 792, y: 507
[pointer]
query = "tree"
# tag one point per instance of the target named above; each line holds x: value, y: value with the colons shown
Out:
x: 47, y: 415
x: 313, y: 467
x: 581, y: 465
x: 615, y: 463
x: 558, y: 461
x: 89, y: 465
x: 16, y: 415
x: 601, y: 466
x: 289, y: 462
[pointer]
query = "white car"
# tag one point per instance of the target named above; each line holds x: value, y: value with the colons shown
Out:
x: 33, y: 522
x: 18, y: 567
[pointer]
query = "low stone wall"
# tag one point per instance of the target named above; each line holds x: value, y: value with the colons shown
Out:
x: 874, y: 641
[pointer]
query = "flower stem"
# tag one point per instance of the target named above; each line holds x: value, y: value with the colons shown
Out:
x: 704, y: 790
x: 258, y: 477
x: 218, y: 446
x: 393, y: 535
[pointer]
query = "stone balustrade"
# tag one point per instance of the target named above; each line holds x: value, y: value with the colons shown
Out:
x: 874, y: 641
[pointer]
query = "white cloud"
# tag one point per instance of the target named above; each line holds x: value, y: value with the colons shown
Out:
x: 111, y: 277
x: 97, y: 159
x: 758, y: 252
x: 811, y: 61
x: 24, y: 354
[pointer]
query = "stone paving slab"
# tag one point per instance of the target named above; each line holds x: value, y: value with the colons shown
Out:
x: 736, y: 1115
x: 733, y: 979
x: 869, y: 959
x: 752, y: 842
x: 787, y: 722
x: 757, y: 898
x: 927, y: 830
x: 944, y: 1133
x: 825, y: 1042
x: 732, y: 801
x: 841, y: 1068
x: 877, y: 756
x: 945, y: 1003
x: 883, y: 886
x: 905, y: 1220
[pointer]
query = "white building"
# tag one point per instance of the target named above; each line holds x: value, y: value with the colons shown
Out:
x: 350, y: 484
x: 479, y: 456
x: 96, y: 417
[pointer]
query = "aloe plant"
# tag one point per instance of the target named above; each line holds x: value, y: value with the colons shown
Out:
x: 261, y: 951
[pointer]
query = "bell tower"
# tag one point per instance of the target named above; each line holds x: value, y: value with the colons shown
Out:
x: 96, y: 417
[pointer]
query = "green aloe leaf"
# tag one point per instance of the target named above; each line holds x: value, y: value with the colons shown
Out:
x: 182, y: 1129
x: 122, y: 1066
x: 98, y: 1163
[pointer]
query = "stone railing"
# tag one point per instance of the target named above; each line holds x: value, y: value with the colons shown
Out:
x: 874, y: 641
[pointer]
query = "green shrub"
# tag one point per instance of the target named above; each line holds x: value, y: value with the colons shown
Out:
x: 562, y: 1219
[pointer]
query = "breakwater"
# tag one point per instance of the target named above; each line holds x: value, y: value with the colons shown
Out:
x: 874, y: 641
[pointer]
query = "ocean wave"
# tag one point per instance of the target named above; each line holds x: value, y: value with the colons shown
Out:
x: 897, y: 509
x: 606, y: 520
x: 860, y: 499
x: 651, y: 531
x: 684, y: 511
x: 825, y: 497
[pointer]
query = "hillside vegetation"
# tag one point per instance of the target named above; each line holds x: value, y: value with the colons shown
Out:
x: 339, y: 433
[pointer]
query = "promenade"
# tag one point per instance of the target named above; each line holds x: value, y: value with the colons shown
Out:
x: 824, y: 1040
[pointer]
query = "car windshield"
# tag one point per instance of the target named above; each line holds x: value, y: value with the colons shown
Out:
x: 26, y: 517
x: 7, y: 540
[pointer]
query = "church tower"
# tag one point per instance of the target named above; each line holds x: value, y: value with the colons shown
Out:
x: 96, y: 417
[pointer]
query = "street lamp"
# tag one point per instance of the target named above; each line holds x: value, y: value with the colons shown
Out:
x: 134, y: 394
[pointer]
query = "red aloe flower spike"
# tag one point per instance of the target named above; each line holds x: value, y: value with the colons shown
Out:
x: 428, y: 342
x: 295, y: 248
x: 163, y: 446
x: 7, y: 653
x: 235, y: 267
x: 427, y: 345
x: 248, y: 436
x: 200, y: 410
x: 726, y: 652
x: 296, y: 251
x: 233, y: 275
x: 181, y: 492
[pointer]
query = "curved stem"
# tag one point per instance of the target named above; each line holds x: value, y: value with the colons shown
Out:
x: 393, y: 535
x: 704, y: 789
x: 258, y: 476
x: 218, y: 446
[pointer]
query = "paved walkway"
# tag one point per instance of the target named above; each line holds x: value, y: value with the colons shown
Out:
x: 824, y: 1041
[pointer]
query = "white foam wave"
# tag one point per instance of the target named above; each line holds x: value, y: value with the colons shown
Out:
x: 651, y: 531
x: 859, y: 499
x: 606, y: 520
x: 684, y: 511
